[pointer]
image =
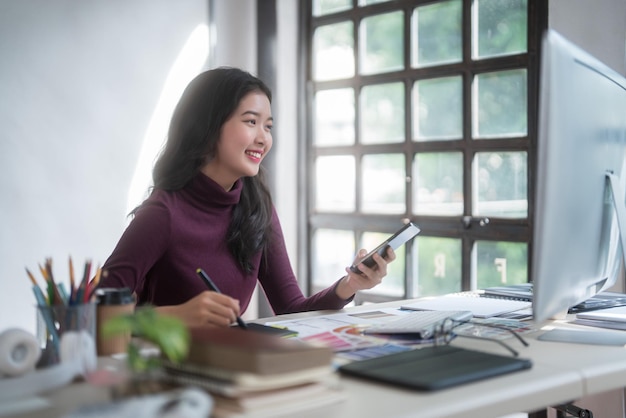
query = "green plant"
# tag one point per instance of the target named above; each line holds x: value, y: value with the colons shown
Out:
x: 169, y: 334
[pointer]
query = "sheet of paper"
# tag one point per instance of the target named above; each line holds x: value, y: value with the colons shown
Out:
x: 343, y: 332
x: 327, y: 323
x: 479, y: 306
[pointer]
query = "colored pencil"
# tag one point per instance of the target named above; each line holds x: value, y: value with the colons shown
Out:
x: 44, y: 310
x: 93, y: 285
x: 57, y: 299
x: 72, y: 281
x: 80, y: 290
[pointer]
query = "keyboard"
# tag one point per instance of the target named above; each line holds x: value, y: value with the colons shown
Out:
x: 420, y: 323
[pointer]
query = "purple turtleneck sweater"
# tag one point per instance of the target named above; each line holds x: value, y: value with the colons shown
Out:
x: 176, y: 232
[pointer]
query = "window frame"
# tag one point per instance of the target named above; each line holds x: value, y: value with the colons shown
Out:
x: 466, y: 227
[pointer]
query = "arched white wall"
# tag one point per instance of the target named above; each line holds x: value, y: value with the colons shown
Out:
x: 79, y: 82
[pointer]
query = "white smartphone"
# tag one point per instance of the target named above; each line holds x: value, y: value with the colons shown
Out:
x: 404, y: 234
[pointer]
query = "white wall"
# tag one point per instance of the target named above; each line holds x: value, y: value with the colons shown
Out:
x: 79, y: 81
x: 597, y: 26
x: 234, y: 34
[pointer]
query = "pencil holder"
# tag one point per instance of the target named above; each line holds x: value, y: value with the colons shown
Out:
x: 54, y: 321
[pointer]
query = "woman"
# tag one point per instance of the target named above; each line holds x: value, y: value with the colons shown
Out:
x: 210, y: 209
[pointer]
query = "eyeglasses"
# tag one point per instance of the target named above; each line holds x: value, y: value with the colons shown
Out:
x: 444, y: 333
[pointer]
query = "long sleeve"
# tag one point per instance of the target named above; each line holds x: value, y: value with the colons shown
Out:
x: 280, y: 284
x: 144, y: 241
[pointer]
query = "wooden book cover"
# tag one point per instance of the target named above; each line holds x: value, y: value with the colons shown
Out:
x: 243, y: 350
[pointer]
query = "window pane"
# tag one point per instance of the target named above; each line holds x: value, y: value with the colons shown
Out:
x: 324, y: 7
x: 436, y: 34
x: 501, y: 184
x: 393, y: 283
x: 438, y: 109
x: 382, y: 114
x: 335, y: 184
x: 438, y: 266
x: 500, y: 27
x: 438, y: 183
x: 366, y: 2
x: 381, y: 40
x: 384, y: 183
x: 334, y: 117
x: 333, y: 51
x: 332, y: 251
x: 500, y: 263
x: 500, y: 108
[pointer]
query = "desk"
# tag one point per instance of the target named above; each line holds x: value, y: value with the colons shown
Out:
x: 561, y: 373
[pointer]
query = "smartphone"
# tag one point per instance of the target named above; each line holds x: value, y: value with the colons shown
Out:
x: 404, y: 234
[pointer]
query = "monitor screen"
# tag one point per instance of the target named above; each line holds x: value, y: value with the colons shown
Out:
x: 581, y: 178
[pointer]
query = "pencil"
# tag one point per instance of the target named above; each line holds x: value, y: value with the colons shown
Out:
x: 82, y: 290
x: 214, y: 288
x: 43, y: 308
x: 93, y: 284
x: 72, y: 281
x: 49, y: 289
x: 35, y: 285
x: 57, y: 298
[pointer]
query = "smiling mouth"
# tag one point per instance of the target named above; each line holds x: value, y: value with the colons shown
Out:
x: 254, y: 154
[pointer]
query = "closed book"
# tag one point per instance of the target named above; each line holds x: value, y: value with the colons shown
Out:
x: 270, y: 398
x: 305, y: 401
x: 235, y: 384
x: 601, y: 324
x: 243, y: 350
x: 615, y: 314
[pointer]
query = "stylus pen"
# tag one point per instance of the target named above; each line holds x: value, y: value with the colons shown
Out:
x: 214, y: 288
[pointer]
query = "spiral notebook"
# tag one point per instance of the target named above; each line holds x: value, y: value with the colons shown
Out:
x: 434, y: 368
x: 480, y: 307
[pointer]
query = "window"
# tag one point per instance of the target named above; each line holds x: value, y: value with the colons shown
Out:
x: 422, y: 110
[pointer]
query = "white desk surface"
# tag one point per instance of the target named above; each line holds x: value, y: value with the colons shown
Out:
x: 561, y: 373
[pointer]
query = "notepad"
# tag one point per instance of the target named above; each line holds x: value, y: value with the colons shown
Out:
x: 434, y: 368
x: 479, y: 307
x: 617, y: 314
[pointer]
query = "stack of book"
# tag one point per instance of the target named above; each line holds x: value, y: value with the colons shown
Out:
x: 253, y: 374
x: 612, y: 318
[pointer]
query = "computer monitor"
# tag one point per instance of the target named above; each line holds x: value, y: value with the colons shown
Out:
x: 580, y: 210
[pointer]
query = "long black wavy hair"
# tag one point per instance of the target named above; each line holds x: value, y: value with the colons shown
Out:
x: 206, y: 104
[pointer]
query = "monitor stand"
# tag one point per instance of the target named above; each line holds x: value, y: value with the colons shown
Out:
x: 592, y: 336
x: 584, y: 336
x: 620, y: 208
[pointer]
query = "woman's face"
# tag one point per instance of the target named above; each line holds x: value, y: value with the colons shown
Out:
x: 245, y: 139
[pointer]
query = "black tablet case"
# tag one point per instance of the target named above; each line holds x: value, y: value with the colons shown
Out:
x: 433, y: 368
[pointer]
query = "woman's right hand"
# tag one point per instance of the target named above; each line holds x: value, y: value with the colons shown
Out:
x: 207, y: 308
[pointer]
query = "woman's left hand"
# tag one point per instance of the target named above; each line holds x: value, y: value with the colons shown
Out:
x: 369, y: 276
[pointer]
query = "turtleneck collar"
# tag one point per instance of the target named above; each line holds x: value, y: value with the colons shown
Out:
x: 207, y: 192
